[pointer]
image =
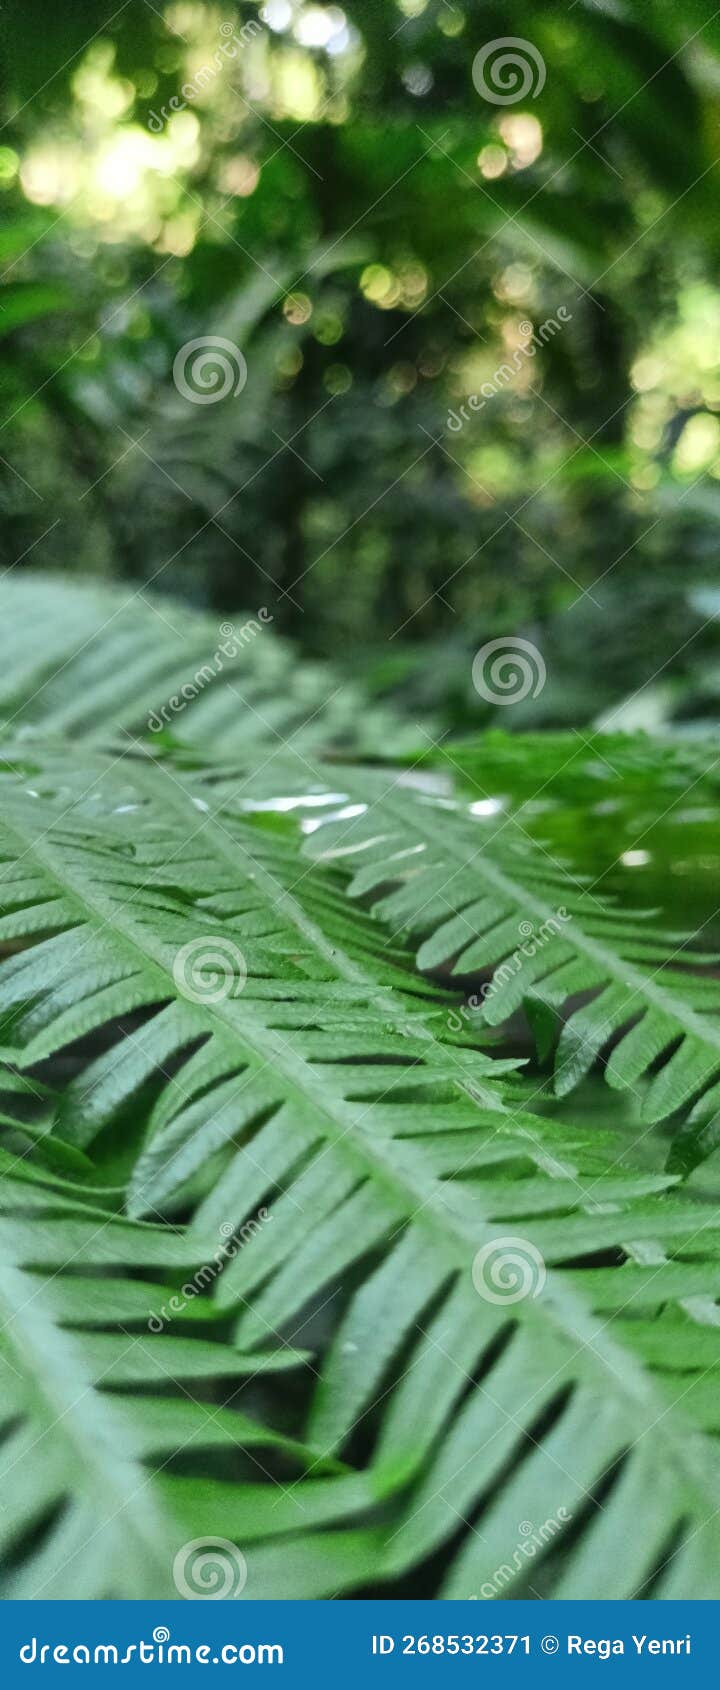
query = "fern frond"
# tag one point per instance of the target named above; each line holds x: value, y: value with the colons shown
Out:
x: 93, y: 662
x: 326, y: 1086
x: 327, y: 1027
x: 98, y: 1403
x: 579, y: 769
x: 486, y: 903
x: 196, y: 1023
x: 595, y: 980
x: 587, y: 1393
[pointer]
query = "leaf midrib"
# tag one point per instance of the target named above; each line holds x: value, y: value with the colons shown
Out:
x: 256, y: 1038
x: 101, y: 1464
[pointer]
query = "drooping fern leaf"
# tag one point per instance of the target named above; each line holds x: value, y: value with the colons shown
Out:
x: 486, y: 903
x: 493, y: 907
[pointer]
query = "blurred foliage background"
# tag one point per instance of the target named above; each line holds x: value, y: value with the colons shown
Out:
x: 333, y: 194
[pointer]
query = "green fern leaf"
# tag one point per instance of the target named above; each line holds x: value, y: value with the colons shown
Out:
x: 484, y: 900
